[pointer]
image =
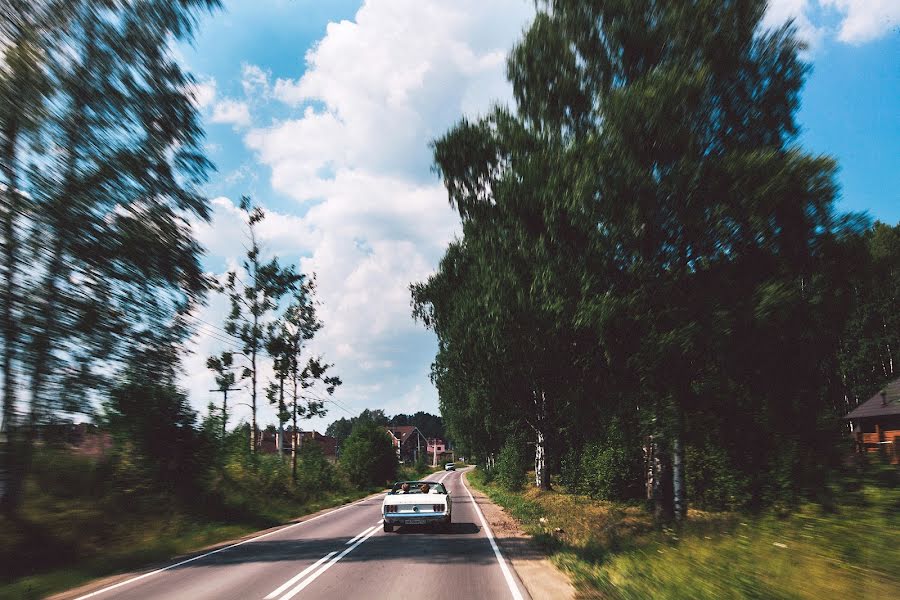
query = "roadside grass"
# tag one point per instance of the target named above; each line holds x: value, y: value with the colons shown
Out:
x: 613, y: 551
x: 66, y: 537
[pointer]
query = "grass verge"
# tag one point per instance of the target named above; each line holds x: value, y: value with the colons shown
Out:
x: 613, y: 551
x: 58, y: 544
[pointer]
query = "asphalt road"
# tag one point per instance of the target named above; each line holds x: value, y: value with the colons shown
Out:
x: 344, y: 554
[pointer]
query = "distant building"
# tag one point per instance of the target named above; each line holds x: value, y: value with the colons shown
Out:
x: 82, y: 439
x: 268, y: 442
x: 408, y: 441
x: 439, y: 452
x: 876, y: 423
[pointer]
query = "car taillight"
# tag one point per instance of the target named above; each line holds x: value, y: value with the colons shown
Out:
x: 438, y: 507
x: 390, y: 508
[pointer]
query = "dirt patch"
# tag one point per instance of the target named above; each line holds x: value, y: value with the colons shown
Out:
x: 540, y: 577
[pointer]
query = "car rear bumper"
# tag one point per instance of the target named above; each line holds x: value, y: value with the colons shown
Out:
x: 416, y: 518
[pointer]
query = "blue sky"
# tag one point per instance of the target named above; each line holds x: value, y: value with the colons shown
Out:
x: 323, y: 110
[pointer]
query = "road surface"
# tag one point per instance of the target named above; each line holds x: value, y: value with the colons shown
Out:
x: 344, y: 554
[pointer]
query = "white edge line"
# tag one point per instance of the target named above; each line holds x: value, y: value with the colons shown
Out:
x: 326, y: 566
x: 299, y: 576
x: 516, y: 594
x: 184, y: 562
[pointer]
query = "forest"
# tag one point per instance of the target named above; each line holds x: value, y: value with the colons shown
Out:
x: 654, y: 294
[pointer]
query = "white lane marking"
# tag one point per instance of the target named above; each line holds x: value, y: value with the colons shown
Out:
x: 299, y: 576
x: 364, y: 533
x: 184, y: 562
x: 325, y: 567
x: 490, y: 535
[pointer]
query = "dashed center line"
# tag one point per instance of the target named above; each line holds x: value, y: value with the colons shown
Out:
x: 299, y: 576
x: 327, y: 566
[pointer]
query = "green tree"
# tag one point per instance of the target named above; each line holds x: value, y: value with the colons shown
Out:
x: 368, y: 456
x: 253, y: 297
x: 110, y: 255
x: 223, y: 367
x: 644, y: 214
x: 870, y: 342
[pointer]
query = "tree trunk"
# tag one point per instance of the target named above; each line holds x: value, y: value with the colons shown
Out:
x: 281, y: 417
x: 662, y: 482
x: 9, y: 489
x: 253, y: 389
x: 541, y: 480
x: 680, y: 507
x: 294, y: 433
x: 540, y: 462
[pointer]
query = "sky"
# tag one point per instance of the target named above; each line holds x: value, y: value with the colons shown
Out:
x: 323, y: 111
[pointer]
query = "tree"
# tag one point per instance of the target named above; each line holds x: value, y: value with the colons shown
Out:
x: 299, y: 325
x: 870, y: 342
x: 113, y: 182
x: 343, y: 427
x: 223, y: 367
x: 23, y: 89
x: 252, y: 301
x: 368, y: 456
x: 644, y: 214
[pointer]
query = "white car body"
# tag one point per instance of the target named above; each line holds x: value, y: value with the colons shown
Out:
x: 416, y: 508
x: 450, y: 467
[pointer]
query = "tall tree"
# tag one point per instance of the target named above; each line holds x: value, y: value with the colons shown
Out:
x: 23, y: 89
x: 650, y: 172
x: 253, y: 298
x: 112, y: 186
x: 223, y: 367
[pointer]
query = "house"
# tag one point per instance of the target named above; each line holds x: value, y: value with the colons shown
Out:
x: 268, y: 442
x: 439, y: 452
x: 876, y: 423
x: 408, y: 441
x: 81, y: 439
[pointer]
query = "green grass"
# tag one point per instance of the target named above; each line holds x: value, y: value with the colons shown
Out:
x: 62, y: 540
x: 613, y: 551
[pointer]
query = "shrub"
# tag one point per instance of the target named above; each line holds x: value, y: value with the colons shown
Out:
x: 570, y: 471
x: 511, y: 463
x: 314, y: 473
x: 712, y: 481
x: 609, y: 472
x: 368, y: 456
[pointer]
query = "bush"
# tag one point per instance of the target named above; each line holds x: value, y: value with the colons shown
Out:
x: 314, y: 473
x: 570, y: 471
x: 712, y: 481
x: 511, y: 463
x: 609, y: 472
x: 368, y: 456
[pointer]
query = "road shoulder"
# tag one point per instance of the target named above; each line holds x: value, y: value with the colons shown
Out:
x: 539, y: 576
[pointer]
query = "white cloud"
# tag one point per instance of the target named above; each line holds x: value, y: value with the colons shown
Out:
x: 865, y: 20
x: 391, y: 81
x: 203, y: 92
x: 859, y: 21
x: 254, y: 81
x: 375, y: 92
x: 231, y: 111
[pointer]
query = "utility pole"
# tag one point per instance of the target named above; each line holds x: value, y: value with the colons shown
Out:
x: 225, y: 404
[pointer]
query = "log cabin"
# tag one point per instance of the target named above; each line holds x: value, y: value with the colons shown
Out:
x: 876, y: 423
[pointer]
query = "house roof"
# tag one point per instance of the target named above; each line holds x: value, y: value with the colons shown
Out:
x: 878, y: 405
x: 402, y: 432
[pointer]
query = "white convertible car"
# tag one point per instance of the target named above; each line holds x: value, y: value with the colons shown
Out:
x: 417, y: 503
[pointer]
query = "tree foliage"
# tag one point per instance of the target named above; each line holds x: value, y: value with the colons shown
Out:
x: 644, y: 242
x: 367, y: 455
x: 102, y: 160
